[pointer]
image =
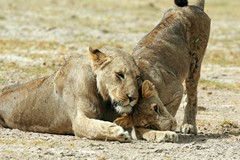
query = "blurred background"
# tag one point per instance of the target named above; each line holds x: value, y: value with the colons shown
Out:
x: 36, y: 36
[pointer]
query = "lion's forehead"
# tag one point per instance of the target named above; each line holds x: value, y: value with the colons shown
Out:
x: 127, y: 66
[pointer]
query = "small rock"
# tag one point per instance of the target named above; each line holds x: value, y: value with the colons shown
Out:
x: 201, y: 108
x: 159, y: 150
x: 209, y: 93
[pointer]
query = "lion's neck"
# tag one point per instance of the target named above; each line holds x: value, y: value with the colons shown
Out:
x: 103, y: 90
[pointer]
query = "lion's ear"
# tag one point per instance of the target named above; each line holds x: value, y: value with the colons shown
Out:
x: 99, y: 59
x: 124, y: 121
x: 148, y: 89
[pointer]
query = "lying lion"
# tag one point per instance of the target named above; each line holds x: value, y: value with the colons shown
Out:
x: 150, y: 119
x: 172, y: 53
x: 77, y: 98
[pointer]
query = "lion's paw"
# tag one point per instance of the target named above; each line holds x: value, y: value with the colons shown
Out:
x: 167, y: 136
x: 171, y: 137
x: 161, y: 136
x: 118, y: 133
x: 188, y: 129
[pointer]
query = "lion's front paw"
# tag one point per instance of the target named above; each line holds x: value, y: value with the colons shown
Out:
x: 188, y: 129
x: 118, y: 133
x: 171, y: 137
x: 161, y: 136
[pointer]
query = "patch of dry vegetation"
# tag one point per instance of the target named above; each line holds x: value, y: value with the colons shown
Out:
x: 205, y: 83
x: 44, y: 31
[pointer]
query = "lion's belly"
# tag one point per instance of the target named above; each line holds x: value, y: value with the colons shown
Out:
x: 43, y: 114
x: 35, y: 108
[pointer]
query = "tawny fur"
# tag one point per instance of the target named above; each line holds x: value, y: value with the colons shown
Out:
x: 171, y: 54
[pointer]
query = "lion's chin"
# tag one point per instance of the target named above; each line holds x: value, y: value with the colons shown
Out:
x: 123, y: 109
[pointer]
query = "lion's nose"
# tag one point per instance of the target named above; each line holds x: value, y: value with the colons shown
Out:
x: 130, y: 97
x: 132, y: 100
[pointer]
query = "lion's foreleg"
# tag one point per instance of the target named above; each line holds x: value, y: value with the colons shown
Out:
x: 98, y: 129
x: 154, y: 135
x: 190, y: 111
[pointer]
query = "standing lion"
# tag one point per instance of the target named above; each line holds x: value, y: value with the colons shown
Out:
x: 172, y: 53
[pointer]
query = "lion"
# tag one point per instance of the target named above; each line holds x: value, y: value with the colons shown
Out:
x: 149, y: 119
x: 172, y: 53
x: 82, y: 98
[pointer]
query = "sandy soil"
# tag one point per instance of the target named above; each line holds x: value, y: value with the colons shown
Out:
x: 36, y: 37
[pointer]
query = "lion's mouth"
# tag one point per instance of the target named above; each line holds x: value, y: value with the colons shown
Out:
x: 122, y: 109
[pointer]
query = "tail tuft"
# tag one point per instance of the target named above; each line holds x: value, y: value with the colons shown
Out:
x: 181, y: 3
x: 200, y: 4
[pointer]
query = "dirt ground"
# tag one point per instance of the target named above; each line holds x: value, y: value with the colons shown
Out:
x: 37, y: 36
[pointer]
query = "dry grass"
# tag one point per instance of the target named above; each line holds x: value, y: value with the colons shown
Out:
x: 218, y: 85
x: 46, y: 30
x: 224, y: 59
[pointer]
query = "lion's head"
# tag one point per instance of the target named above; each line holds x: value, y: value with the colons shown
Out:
x: 117, y: 77
x: 149, y: 113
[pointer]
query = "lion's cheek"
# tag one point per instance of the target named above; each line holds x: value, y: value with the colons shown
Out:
x: 114, y: 93
x: 111, y: 92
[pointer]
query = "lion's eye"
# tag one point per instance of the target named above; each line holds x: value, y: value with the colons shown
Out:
x: 155, y: 108
x: 120, y: 75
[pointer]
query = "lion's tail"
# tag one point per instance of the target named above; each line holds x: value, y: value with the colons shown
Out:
x: 198, y: 3
x: 181, y: 3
